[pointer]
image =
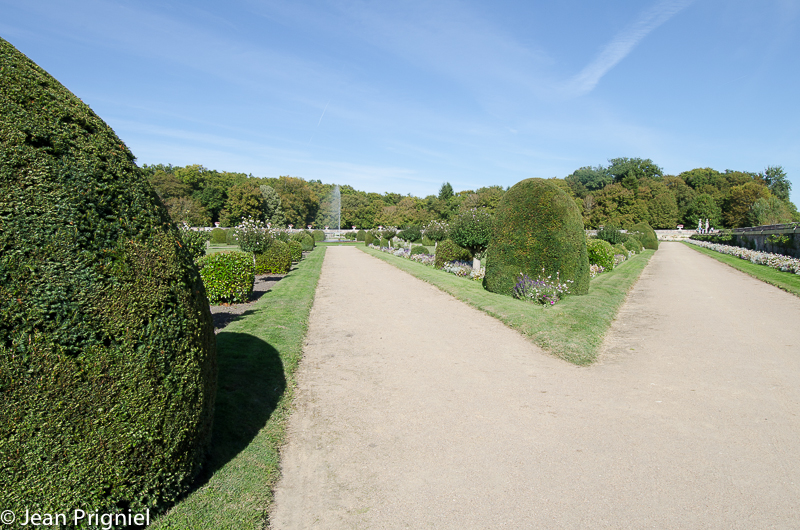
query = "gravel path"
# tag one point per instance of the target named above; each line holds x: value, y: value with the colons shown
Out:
x: 416, y: 411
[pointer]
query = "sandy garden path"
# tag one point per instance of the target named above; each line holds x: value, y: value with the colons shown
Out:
x: 417, y: 411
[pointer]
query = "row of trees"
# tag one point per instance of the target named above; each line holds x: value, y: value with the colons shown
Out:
x: 624, y: 192
x: 631, y: 190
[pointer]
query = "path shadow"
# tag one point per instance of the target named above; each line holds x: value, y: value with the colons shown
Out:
x: 250, y: 383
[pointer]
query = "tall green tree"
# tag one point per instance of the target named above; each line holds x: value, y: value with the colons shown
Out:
x: 244, y: 200
x: 445, y: 192
x: 273, y: 212
x: 740, y: 200
x: 777, y: 182
x: 298, y: 200
x: 587, y: 179
x: 185, y: 210
x: 769, y: 211
x: 702, y: 206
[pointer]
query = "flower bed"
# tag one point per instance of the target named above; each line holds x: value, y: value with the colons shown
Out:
x: 776, y: 261
x: 459, y: 268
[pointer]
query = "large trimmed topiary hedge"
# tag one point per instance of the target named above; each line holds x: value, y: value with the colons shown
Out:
x: 645, y: 234
x: 537, y: 226
x: 107, y: 349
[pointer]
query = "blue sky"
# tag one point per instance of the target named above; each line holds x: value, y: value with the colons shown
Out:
x: 403, y: 96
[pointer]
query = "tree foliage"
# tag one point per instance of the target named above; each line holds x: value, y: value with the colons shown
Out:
x: 472, y: 229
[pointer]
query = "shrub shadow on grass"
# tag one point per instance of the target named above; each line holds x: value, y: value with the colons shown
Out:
x: 250, y: 383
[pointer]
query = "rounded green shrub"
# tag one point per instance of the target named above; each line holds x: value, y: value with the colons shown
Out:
x: 447, y: 251
x: 633, y: 243
x: 277, y: 259
x: 537, y: 226
x: 194, y: 241
x: 231, y: 236
x: 319, y: 235
x: 428, y: 242
x: 419, y: 249
x: 107, y: 348
x: 600, y: 253
x: 646, y: 235
x: 296, y: 250
x: 228, y: 276
x: 219, y: 236
x: 361, y: 235
x: 384, y: 242
x: 369, y: 239
x: 307, y: 243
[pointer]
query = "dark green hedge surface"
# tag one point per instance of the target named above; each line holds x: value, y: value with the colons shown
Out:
x: 537, y: 226
x: 107, y: 350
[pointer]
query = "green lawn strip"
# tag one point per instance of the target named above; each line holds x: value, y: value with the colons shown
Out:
x: 257, y: 357
x: 214, y: 248
x: 783, y: 280
x: 573, y: 329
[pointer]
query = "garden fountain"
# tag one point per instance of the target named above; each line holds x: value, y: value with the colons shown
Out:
x: 333, y: 213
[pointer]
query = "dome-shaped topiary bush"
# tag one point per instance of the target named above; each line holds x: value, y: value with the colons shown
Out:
x: 633, y: 243
x: 447, y: 251
x: 419, y: 249
x: 537, y: 226
x: 277, y: 259
x: 107, y: 349
x: 218, y: 236
x: 307, y: 243
x: 645, y: 234
x: 369, y: 239
x: 228, y: 276
x: 361, y: 235
x: 318, y: 235
x: 600, y: 253
x: 296, y: 250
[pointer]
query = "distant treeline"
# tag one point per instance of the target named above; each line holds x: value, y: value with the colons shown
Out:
x: 624, y: 192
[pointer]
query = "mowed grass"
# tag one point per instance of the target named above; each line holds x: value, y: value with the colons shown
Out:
x: 257, y: 356
x: 573, y: 329
x: 783, y: 280
x: 220, y: 247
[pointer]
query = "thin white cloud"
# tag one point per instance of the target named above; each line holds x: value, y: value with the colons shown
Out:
x: 624, y: 43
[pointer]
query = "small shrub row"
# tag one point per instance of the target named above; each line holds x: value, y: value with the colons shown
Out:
x: 277, y: 259
x: 460, y: 268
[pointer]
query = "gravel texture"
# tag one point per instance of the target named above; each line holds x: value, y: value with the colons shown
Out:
x: 414, y: 410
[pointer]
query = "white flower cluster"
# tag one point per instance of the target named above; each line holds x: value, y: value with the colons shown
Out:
x: 776, y: 261
x: 458, y: 268
x: 594, y: 270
